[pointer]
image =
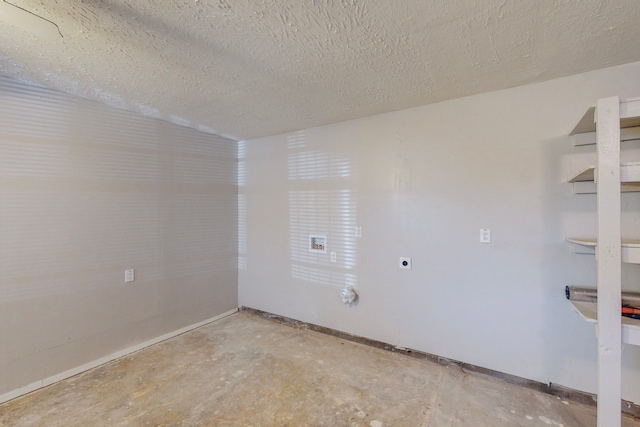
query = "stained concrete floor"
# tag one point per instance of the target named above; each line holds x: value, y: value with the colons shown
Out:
x: 248, y: 371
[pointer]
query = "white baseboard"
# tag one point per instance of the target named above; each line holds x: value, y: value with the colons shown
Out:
x: 95, y: 363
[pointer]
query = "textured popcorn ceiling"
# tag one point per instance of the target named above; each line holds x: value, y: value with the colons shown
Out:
x: 250, y: 68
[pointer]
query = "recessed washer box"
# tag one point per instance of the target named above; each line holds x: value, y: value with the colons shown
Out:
x: 317, y: 243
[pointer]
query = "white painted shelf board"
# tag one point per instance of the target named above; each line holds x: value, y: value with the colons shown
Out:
x: 629, y: 117
x: 630, y: 113
x: 587, y: 123
x: 629, y: 172
x: 630, y: 248
x: 587, y: 174
x: 584, y: 181
x: 588, y: 310
x: 589, y: 187
x: 589, y: 138
x: 587, y: 241
x: 630, y: 327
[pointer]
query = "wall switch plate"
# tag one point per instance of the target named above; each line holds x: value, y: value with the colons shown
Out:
x: 405, y: 263
x: 485, y: 235
x: 359, y: 231
x: 333, y: 257
x: 129, y: 276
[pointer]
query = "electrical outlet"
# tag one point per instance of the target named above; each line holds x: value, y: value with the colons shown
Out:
x: 333, y: 257
x: 359, y: 231
x: 405, y: 263
x: 129, y: 276
x: 485, y: 235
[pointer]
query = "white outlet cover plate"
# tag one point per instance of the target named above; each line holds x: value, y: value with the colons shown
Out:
x: 485, y: 235
x: 405, y: 263
x: 129, y: 276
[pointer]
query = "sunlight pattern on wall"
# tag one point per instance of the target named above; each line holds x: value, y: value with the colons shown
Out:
x: 87, y: 191
x: 318, y: 165
x: 323, y: 201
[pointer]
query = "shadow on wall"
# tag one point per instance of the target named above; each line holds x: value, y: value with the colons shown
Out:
x: 322, y: 201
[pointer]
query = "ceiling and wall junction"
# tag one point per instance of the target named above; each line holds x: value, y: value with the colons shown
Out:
x: 252, y: 68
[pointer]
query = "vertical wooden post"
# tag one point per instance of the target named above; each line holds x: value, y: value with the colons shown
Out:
x: 609, y: 262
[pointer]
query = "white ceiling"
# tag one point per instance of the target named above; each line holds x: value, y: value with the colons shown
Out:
x: 251, y: 68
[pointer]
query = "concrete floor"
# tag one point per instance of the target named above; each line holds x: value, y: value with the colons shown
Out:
x: 247, y: 371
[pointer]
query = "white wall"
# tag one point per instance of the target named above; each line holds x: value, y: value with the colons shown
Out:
x: 87, y: 191
x: 422, y: 182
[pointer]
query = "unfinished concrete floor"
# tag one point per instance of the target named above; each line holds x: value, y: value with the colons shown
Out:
x: 247, y: 371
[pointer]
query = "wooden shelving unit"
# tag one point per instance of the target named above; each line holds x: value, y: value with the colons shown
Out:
x: 611, y: 121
